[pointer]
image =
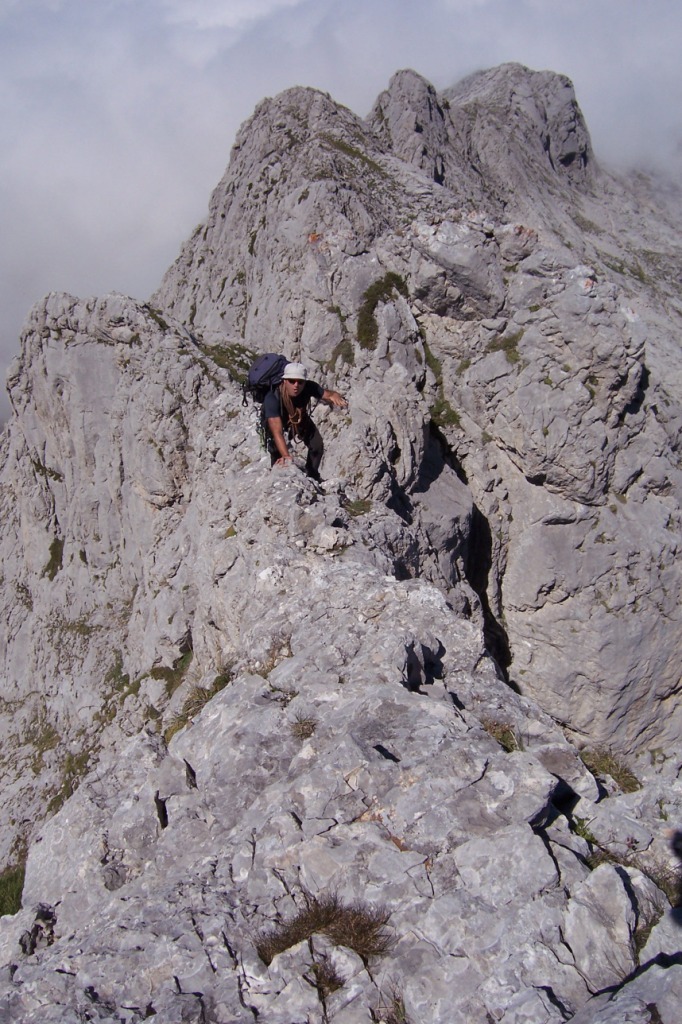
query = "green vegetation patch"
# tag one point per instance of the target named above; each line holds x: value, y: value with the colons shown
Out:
x: 156, y: 316
x: 74, y: 767
x: 581, y: 827
x: 42, y: 737
x: 503, y: 734
x: 602, y: 762
x: 585, y: 224
x: 355, y: 154
x: 55, y: 562
x: 119, y: 686
x: 11, y: 888
x: 381, y: 291
x: 234, y: 358
x: 442, y: 412
x: 344, y: 349
x: 666, y: 878
x: 360, y: 507
x: 627, y: 269
x: 344, y: 352
x: 46, y: 472
x: 174, y: 675
x: 434, y: 364
x: 118, y: 680
x: 507, y: 344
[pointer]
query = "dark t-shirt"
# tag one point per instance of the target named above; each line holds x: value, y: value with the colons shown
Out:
x: 272, y: 406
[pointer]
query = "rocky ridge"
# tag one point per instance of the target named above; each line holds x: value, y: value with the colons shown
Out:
x: 554, y: 379
x: 287, y: 692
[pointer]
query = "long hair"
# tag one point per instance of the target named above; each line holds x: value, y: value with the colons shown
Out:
x: 297, y: 416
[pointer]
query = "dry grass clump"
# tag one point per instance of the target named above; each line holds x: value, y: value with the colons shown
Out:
x: 668, y: 879
x: 391, y: 1007
x: 602, y: 762
x: 325, y: 977
x: 502, y: 733
x: 303, y: 726
x: 197, y: 698
x: 645, y: 926
x: 358, y: 925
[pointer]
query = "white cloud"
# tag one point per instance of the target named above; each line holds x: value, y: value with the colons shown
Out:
x: 210, y: 14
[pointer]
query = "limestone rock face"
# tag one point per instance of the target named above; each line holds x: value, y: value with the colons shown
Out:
x: 355, y: 749
x: 95, y: 480
x: 494, y: 137
x: 535, y: 349
x: 235, y: 700
x: 524, y: 122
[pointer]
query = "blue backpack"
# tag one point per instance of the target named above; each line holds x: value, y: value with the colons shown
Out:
x: 264, y: 375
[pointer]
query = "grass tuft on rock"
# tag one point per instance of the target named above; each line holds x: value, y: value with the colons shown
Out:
x: 391, y: 1007
x: 197, y: 698
x: 503, y: 734
x: 442, y: 413
x: 358, y: 926
x: 325, y: 977
x: 381, y: 291
x: 235, y: 358
x: 602, y: 762
x: 11, y: 888
x: 174, y: 674
x: 303, y: 726
x: 360, y: 507
x: 508, y: 344
x: 55, y: 561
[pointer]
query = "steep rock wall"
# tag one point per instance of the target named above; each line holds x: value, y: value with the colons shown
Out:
x: 550, y: 379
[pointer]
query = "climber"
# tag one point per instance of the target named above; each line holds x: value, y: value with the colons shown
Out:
x: 285, y: 411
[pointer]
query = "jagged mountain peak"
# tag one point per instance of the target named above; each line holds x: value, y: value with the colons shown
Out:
x: 536, y: 116
x: 411, y: 120
x: 408, y: 89
x: 303, y: 167
x: 502, y: 134
x: 292, y: 116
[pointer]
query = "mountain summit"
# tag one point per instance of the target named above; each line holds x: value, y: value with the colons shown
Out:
x: 401, y: 745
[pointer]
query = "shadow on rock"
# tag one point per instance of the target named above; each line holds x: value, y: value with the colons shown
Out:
x: 478, y: 566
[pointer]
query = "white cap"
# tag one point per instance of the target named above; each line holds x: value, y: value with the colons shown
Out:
x: 295, y: 371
